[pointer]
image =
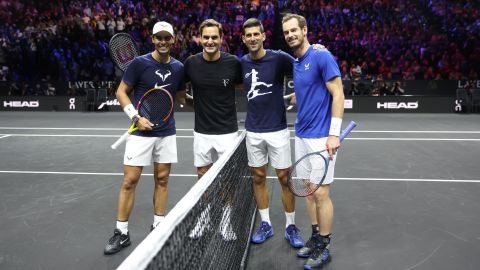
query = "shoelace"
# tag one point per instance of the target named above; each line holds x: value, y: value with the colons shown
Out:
x: 310, y: 243
x: 114, y: 238
x: 294, y: 232
x: 318, y: 250
x: 264, y: 227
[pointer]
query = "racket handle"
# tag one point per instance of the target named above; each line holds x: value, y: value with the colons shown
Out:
x: 120, y: 140
x: 347, y: 130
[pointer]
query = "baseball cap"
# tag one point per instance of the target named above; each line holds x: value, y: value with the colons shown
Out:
x: 163, y: 26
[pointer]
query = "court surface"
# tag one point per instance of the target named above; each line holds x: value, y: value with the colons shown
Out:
x: 406, y: 195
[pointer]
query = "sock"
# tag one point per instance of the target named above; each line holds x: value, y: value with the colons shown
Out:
x: 157, y: 219
x: 315, y: 229
x: 325, y: 238
x: 265, y: 215
x: 123, y: 226
x: 290, y: 218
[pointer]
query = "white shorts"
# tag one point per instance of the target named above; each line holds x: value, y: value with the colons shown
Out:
x: 305, y: 146
x: 208, y: 148
x: 269, y: 145
x: 141, y: 151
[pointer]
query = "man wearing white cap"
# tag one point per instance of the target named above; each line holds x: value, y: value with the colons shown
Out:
x: 155, y: 69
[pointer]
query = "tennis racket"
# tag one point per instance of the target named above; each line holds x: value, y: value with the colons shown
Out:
x: 123, y: 50
x: 156, y: 105
x: 309, y: 172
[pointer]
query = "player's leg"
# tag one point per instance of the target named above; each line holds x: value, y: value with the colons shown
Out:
x: 221, y: 144
x: 203, y: 170
x: 203, y: 160
x: 278, y: 144
x: 164, y: 154
x: 160, y: 192
x: 321, y: 252
x: 202, y: 150
x: 301, y: 149
x: 137, y: 154
x: 258, y: 162
x: 324, y: 210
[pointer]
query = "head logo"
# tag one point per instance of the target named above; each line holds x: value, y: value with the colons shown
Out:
x: 21, y: 104
x: 397, y: 105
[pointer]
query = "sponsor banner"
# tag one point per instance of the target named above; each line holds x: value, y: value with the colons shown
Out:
x: 404, y: 104
x: 108, y: 103
x: 468, y: 84
x: 394, y: 105
x: 40, y: 103
x: 363, y: 104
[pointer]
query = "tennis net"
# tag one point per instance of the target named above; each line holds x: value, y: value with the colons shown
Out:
x: 210, y: 227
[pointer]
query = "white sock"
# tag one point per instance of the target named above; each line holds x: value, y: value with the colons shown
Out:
x: 265, y: 215
x: 290, y: 218
x: 122, y: 226
x: 157, y: 220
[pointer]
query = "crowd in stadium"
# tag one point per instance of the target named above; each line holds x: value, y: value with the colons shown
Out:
x: 67, y: 40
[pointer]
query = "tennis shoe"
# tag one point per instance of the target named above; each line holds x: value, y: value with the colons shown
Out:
x: 320, y: 255
x: 293, y: 237
x: 307, y: 249
x: 265, y: 231
x: 117, y: 242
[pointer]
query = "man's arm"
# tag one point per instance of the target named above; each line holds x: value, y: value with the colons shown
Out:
x: 183, y: 97
x: 335, y: 88
x: 122, y: 93
x: 290, y: 99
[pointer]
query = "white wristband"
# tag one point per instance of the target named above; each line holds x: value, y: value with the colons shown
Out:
x: 130, y: 111
x: 335, y: 126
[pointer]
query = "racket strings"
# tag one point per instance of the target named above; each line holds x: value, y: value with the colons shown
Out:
x: 156, y: 107
x: 123, y: 50
x: 308, y: 174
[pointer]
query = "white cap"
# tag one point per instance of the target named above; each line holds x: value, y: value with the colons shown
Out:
x: 163, y: 26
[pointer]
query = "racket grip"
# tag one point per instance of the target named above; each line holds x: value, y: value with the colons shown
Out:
x: 347, y: 130
x: 120, y: 140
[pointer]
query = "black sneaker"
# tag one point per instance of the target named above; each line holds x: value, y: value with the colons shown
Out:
x: 320, y: 255
x: 306, y: 250
x: 117, y: 242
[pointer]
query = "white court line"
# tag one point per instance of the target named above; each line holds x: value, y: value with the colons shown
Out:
x: 45, y: 128
x: 73, y: 135
x: 89, y: 173
x: 4, y: 136
x: 179, y: 136
x: 418, y: 131
x: 291, y: 130
x: 269, y: 177
x: 412, y: 139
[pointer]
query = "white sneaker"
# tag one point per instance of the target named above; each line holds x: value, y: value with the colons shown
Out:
x: 202, y: 225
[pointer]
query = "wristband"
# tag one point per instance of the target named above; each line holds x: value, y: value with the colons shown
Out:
x: 130, y: 111
x: 335, y: 126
